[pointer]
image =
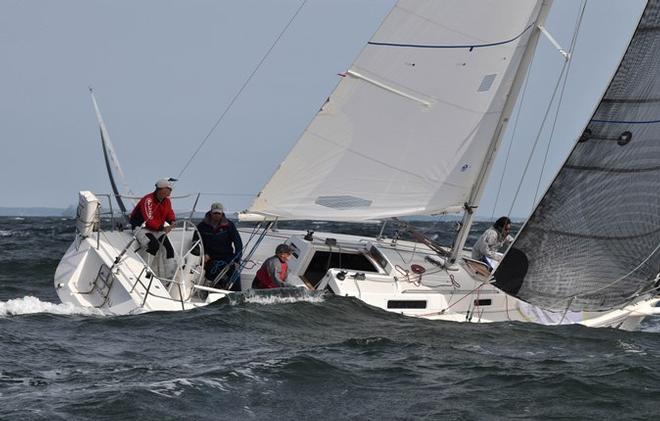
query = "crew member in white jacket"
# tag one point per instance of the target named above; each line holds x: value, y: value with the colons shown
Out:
x: 487, y: 247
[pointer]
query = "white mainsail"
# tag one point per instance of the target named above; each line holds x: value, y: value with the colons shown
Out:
x: 407, y: 128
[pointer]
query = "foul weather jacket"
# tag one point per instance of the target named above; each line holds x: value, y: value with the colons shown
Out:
x: 221, y: 242
x: 152, y: 212
x: 272, y: 274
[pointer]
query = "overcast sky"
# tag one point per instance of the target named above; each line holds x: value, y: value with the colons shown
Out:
x: 164, y: 71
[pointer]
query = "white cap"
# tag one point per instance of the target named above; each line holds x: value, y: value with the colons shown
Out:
x: 164, y: 183
x: 217, y: 208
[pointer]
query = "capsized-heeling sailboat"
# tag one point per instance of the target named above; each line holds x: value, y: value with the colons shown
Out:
x: 593, y: 241
x: 412, y: 129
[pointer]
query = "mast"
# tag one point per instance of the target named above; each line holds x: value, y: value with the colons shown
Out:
x: 489, y: 159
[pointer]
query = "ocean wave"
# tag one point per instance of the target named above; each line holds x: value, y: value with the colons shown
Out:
x: 33, y: 305
x: 651, y: 328
x: 174, y: 388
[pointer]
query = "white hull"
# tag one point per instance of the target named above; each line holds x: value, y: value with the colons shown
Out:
x: 377, y: 272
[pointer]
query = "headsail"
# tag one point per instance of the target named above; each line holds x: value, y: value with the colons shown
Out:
x: 406, y: 130
x: 111, y: 161
x: 593, y: 241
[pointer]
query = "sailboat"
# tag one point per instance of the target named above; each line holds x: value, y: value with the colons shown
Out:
x: 412, y: 128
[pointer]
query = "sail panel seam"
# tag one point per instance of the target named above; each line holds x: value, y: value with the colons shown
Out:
x: 592, y: 236
x: 362, y: 155
x: 612, y: 170
x: 630, y: 100
x: 625, y: 121
x: 469, y: 46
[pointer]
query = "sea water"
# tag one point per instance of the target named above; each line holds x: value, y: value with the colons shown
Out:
x: 307, y: 356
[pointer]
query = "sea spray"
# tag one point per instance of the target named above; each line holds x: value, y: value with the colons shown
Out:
x: 32, y: 305
x: 277, y: 296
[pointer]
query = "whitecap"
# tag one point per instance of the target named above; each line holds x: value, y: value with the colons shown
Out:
x: 4, y: 233
x: 169, y: 388
x: 274, y: 298
x: 212, y: 383
x: 33, y: 305
x: 631, y: 348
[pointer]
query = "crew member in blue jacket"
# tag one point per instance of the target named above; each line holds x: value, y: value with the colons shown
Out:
x: 222, y: 247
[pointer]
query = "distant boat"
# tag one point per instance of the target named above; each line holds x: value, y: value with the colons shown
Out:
x: 412, y: 129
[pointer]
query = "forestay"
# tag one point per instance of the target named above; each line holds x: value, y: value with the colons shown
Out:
x: 407, y: 128
x: 592, y: 243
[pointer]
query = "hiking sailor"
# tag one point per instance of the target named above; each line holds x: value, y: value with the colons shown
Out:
x: 154, y: 219
x: 487, y: 247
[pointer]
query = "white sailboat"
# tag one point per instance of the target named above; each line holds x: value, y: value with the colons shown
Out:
x: 412, y: 129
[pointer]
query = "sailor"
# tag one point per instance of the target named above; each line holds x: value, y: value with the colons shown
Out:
x: 222, y: 246
x: 487, y: 247
x: 274, y: 271
x: 154, y: 219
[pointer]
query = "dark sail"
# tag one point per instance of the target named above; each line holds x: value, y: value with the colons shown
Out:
x: 111, y: 162
x: 593, y: 241
x: 115, y: 190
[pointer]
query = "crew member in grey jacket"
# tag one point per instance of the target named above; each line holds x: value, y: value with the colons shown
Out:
x: 492, y: 240
x: 274, y: 271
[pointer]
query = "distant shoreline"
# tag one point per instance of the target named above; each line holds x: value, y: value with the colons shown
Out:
x: 37, y: 211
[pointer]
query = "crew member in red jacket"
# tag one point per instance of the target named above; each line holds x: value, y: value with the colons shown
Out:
x: 274, y: 271
x: 155, y: 212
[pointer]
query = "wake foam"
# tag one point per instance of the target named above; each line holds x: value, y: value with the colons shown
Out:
x: 33, y: 305
x: 10, y: 233
x: 282, y: 296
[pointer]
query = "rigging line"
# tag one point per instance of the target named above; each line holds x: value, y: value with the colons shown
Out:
x: 578, y: 23
x: 240, y: 91
x: 616, y: 281
x: 227, y: 194
x: 647, y: 291
x: 538, y: 137
x: 460, y: 299
x: 513, y: 136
